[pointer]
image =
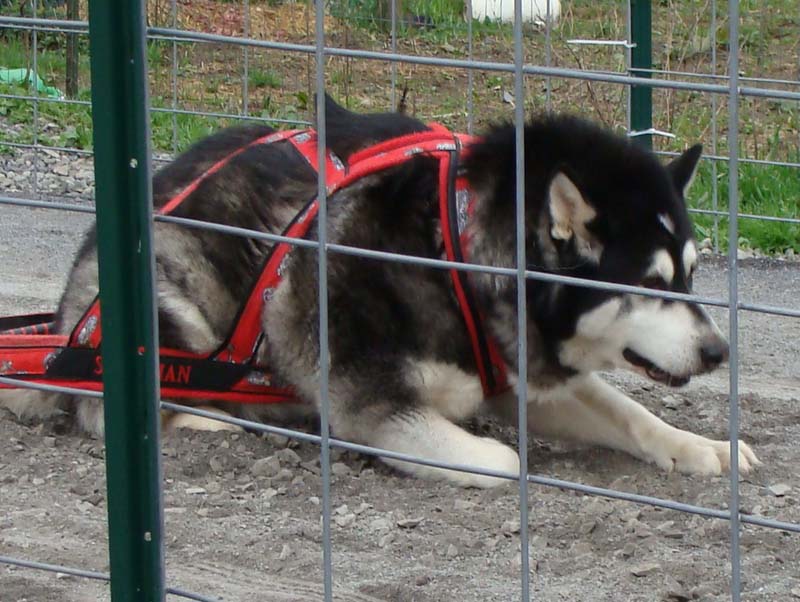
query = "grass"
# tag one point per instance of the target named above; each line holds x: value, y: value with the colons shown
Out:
x: 279, y: 84
x: 763, y: 190
x: 259, y: 78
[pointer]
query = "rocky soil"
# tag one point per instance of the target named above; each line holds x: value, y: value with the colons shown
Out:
x: 243, y: 511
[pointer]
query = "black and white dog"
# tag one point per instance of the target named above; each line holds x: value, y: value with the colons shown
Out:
x: 402, y: 369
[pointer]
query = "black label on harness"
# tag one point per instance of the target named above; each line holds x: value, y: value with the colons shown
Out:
x: 176, y: 372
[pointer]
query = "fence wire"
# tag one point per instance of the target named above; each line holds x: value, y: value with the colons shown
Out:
x: 714, y: 84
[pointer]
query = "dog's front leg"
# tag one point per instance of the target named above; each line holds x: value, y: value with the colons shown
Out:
x: 592, y: 411
x: 425, y: 433
x: 403, y: 419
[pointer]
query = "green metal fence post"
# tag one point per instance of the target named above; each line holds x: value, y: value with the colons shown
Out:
x: 641, y: 58
x: 130, y: 353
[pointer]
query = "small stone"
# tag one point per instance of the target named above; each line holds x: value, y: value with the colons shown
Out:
x: 342, y: 510
x: 795, y: 591
x: 269, y: 493
x: 385, y: 540
x: 37, y: 481
x: 288, y: 456
x: 311, y: 466
x: 346, y: 520
x: 214, y: 487
x: 314, y: 500
x: 340, y: 469
x: 628, y: 550
x: 286, y: 551
x: 362, y: 507
x: 422, y: 580
x: 195, y: 491
x: 463, y: 505
x: 701, y: 591
x: 588, y: 526
x: 49, y: 441
x: 266, y: 467
x: 380, y: 524
x: 277, y: 440
x: 671, y: 402
x: 63, y: 576
x: 409, y: 523
x: 644, y: 569
x: 284, y: 475
x: 94, y: 499
x: 510, y: 526
x: 778, y: 490
x: 452, y: 551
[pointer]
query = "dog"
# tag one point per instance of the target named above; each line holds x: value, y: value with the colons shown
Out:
x: 402, y: 368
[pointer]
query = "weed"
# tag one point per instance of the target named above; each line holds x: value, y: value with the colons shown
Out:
x: 258, y: 78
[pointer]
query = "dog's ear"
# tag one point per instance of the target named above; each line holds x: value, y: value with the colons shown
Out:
x: 683, y: 168
x: 569, y: 210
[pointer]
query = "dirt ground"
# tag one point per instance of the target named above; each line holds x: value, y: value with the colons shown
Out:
x: 242, y: 530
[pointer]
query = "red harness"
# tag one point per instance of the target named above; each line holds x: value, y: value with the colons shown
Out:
x: 29, y: 353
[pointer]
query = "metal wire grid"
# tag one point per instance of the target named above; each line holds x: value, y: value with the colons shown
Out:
x: 733, y: 90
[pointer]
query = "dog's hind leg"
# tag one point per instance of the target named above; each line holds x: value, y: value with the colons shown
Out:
x: 27, y: 404
x: 594, y: 412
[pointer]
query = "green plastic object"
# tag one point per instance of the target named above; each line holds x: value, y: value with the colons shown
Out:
x: 21, y: 76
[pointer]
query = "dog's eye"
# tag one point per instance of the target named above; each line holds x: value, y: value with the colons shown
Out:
x: 655, y: 282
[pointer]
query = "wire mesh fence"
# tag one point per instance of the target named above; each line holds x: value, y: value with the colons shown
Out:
x: 727, y: 79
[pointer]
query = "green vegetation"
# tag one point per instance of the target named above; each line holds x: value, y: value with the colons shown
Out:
x: 264, y: 79
x: 279, y: 84
x: 763, y: 190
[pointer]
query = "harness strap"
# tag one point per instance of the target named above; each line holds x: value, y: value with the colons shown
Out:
x: 455, y: 203
x: 229, y: 373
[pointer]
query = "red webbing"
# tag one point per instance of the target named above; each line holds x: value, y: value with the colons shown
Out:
x: 29, y: 353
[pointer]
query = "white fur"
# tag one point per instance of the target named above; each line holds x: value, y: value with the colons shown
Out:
x: 662, y: 265
x: 667, y: 222
x: 569, y: 211
x: 451, y: 391
x: 594, y: 412
x: 28, y: 404
x: 196, y: 329
x: 592, y: 347
x: 199, y: 423
x: 669, y: 335
x: 689, y: 257
x: 427, y: 434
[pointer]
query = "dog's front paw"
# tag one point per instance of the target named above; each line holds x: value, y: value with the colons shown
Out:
x: 492, y: 455
x: 692, y: 454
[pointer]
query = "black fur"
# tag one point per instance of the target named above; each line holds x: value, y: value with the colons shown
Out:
x: 391, y: 322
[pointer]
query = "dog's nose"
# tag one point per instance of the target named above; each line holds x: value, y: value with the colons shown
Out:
x: 713, y: 353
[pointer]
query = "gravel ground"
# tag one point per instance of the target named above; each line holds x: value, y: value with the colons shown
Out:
x: 242, y: 511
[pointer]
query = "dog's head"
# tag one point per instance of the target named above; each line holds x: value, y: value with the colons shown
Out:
x: 597, y: 207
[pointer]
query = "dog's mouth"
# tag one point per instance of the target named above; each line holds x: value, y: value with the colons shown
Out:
x: 653, y: 371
